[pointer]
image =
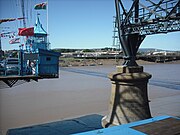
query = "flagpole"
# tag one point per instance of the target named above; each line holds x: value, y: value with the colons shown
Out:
x: 47, y: 15
x: 47, y: 21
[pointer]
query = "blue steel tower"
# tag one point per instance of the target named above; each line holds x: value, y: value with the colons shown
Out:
x: 40, y: 37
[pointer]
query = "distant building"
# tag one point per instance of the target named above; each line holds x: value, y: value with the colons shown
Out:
x: 165, y: 53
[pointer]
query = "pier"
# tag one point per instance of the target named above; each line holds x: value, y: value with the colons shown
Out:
x: 150, y: 58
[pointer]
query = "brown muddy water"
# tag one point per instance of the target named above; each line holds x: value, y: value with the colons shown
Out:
x: 78, y: 91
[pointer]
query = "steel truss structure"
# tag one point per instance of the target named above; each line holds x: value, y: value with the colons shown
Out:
x: 144, y: 18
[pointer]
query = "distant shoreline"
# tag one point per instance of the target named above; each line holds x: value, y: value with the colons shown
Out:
x: 71, y: 62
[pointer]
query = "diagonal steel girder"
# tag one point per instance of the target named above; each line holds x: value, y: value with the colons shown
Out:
x: 151, y: 11
x: 136, y: 2
x: 174, y: 8
x: 132, y: 30
x: 131, y: 42
x: 156, y: 7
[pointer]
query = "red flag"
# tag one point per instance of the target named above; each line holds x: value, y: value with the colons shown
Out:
x: 40, y: 6
x: 14, y: 41
x: 26, y: 31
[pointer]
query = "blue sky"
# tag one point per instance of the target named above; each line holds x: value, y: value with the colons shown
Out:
x: 77, y: 24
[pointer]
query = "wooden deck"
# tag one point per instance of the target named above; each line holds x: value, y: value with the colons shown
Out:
x: 169, y: 126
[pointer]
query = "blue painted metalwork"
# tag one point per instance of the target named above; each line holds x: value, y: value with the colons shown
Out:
x: 38, y: 29
x: 81, y: 126
x: 125, y: 129
x: 45, y: 62
x: 35, y: 57
x: 48, y: 63
x: 40, y: 37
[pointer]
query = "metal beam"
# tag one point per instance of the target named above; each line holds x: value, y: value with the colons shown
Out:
x: 130, y: 11
x: 132, y: 32
x: 125, y: 51
x: 152, y: 11
x: 124, y: 10
x: 136, y: 12
x: 172, y: 11
x: 156, y: 6
x: 10, y: 83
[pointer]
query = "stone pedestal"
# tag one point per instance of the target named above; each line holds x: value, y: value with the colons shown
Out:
x: 129, y: 98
